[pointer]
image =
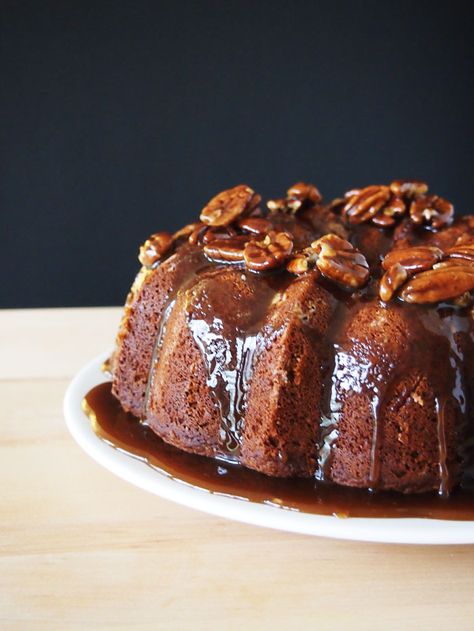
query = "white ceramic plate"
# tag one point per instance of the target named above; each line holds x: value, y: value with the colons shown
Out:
x: 426, y: 531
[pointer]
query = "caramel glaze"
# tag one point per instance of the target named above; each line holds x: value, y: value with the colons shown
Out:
x: 126, y: 433
x: 230, y: 338
x: 439, y: 339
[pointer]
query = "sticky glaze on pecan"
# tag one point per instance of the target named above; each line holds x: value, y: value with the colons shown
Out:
x: 437, y: 285
x: 300, y: 195
x: 464, y: 251
x: 195, y: 238
x: 413, y: 259
x: 230, y: 249
x: 431, y: 211
x: 417, y: 261
x: 394, y: 208
x: 229, y: 205
x: 363, y: 204
x: 380, y: 204
x: 255, y: 225
x: 302, y: 261
x: 154, y: 248
x: 339, y: 261
x: 391, y: 281
x: 218, y: 234
x: 408, y: 188
x: 185, y: 232
x: 269, y: 253
x: 298, y: 265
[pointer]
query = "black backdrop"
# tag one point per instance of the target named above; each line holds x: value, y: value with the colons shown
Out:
x: 122, y: 118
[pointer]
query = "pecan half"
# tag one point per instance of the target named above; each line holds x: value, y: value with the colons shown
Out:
x: 218, y: 234
x: 155, y: 248
x: 431, y: 211
x: 229, y: 205
x: 339, y: 261
x: 408, y: 188
x: 272, y: 252
x: 255, y: 225
x: 413, y: 259
x: 466, y: 238
x: 394, y: 208
x: 300, y: 193
x: 230, y: 249
x: 380, y: 204
x: 465, y: 252
x: 298, y: 265
x: 363, y: 204
x: 197, y: 234
x: 391, y: 281
x: 437, y: 285
x: 302, y: 261
x: 185, y: 232
x: 449, y: 262
x: 298, y: 196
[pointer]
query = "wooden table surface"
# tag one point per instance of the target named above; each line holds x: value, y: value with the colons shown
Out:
x: 82, y: 549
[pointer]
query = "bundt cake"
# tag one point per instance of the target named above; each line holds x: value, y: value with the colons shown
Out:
x: 333, y: 341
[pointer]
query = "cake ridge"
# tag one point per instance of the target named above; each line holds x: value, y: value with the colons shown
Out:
x: 326, y: 341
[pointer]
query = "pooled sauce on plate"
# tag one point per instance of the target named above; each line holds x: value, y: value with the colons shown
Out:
x: 126, y: 433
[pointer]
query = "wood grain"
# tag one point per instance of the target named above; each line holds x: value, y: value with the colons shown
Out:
x: 81, y: 549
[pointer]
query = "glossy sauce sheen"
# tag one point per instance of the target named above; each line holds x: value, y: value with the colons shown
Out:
x: 125, y: 432
x: 230, y: 328
x: 382, y: 392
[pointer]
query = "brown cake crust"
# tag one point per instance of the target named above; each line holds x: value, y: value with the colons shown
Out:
x: 141, y: 321
x: 303, y: 375
x: 284, y: 402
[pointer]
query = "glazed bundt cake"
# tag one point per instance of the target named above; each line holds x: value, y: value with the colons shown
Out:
x: 330, y: 341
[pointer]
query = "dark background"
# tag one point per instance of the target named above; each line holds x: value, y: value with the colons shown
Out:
x: 118, y: 119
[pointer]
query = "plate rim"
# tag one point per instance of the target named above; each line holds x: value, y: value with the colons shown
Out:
x: 400, y: 530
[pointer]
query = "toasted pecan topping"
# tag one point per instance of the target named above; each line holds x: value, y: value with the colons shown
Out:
x: 300, y: 193
x: 217, y: 234
x: 232, y: 229
x: 230, y: 249
x: 185, y: 232
x: 229, y: 205
x: 255, y: 225
x: 197, y: 234
x: 464, y: 252
x: 449, y: 262
x: 339, y: 261
x: 413, y: 259
x: 155, y: 248
x: 299, y: 264
x: 436, y: 285
x: 408, y: 188
x: 383, y: 205
x: 431, y: 211
x: 425, y: 265
x: 394, y: 208
x: 272, y: 252
x: 302, y: 261
x: 391, y: 281
x: 298, y: 196
x: 363, y: 204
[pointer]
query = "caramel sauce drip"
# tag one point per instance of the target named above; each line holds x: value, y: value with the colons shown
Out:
x: 126, y: 433
x: 195, y: 262
x: 434, y: 351
x: 229, y: 338
x: 227, y: 327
